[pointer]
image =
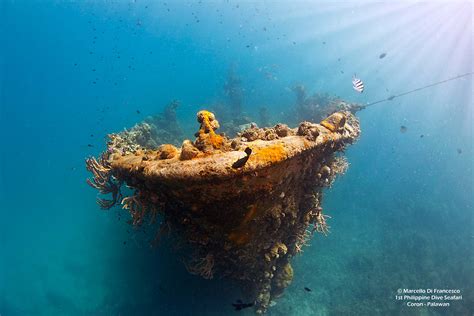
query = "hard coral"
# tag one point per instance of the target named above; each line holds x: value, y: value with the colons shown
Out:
x: 166, y: 151
x: 268, y: 133
x: 208, y: 121
x: 207, y: 140
x: 277, y: 250
x: 283, y: 279
x: 335, y: 122
x: 308, y: 129
x: 252, y: 133
x: 188, y: 150
x: 282, y: 130
x: 153, y: 131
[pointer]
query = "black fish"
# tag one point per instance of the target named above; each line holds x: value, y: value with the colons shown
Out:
x: 307, y: 289
x: 382, y: 55
x: 403, y: 129
x: 90, y: 145
x: 138, y: 111
x: 421, y: 136
x: 459, y: 150
x: 242, y: 161
x: 239, y: 305
x: 390, y: 98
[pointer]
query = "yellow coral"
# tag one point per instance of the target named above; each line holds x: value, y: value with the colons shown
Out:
x: 208, y: 121
x: 273, y: 153
x: 328, y: 125
x: 334, y: 122
x: 216, y: 140
x: 166, y: 151
x: 208, y: 125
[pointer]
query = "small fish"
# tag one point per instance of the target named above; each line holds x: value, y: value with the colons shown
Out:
x: 90, y: 145
x: 239, y: 305
x: 138, y: 111
x: 382, y: 55
x: 403, y: 129
x: 421, y: 136
x: 459, y: 151
x: 357, y: 84
x: 242, y: 161
x: 307, y: 289
x: 390, y: 98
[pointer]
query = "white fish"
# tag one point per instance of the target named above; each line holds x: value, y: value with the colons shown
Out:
x: 357, y: 84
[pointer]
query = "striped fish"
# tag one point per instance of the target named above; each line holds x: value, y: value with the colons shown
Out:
x: 357, y: 84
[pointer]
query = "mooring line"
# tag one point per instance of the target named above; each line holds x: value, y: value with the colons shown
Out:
x: 390, y: 98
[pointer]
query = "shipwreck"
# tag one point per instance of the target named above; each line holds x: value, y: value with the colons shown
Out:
x: 243, y: 206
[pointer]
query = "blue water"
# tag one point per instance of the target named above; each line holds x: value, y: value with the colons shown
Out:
x: 402, y: 216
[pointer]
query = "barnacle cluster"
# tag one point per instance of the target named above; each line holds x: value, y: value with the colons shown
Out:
x: 243, y: 221
x: 267, y: 133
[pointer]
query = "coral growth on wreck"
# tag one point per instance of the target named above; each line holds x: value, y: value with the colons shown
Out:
x: 244, y: 222
x: 207, y: 139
